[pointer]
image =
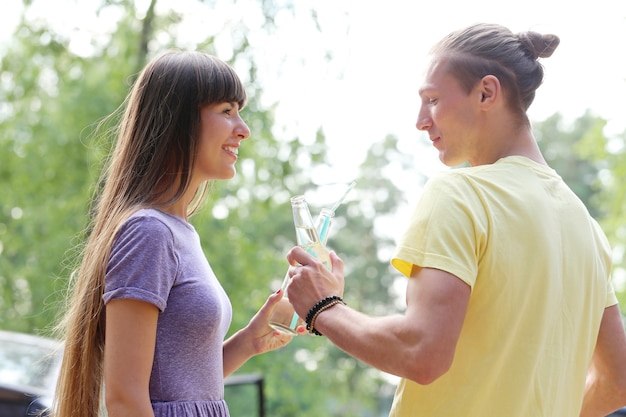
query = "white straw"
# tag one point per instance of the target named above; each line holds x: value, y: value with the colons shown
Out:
x: 338, y: 203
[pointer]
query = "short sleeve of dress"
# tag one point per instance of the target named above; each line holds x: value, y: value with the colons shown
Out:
x: 447, y: 230
x: 142, y: 265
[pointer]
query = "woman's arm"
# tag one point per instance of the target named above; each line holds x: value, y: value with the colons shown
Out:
x: 257, y: 337
x: 128, y: 356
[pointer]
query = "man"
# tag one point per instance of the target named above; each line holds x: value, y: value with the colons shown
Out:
x: 510, y: 308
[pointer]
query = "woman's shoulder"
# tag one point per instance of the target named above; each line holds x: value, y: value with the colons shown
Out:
x: 143, y: 227
x: 147, y: 219
x: 151, y: 218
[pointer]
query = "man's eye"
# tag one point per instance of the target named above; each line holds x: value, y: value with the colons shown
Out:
x: 432, y: 101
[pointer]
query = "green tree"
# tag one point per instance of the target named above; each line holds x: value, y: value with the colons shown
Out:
x: 54, y: 96
x: 608, y: 153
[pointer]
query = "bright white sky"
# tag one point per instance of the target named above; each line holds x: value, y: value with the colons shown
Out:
x: 384, y: 54
x: 369, y: 89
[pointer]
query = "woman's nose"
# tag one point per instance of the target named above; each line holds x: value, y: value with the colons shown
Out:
x: 242, y: 130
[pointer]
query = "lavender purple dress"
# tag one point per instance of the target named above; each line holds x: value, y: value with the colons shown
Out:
x: 157, y: 258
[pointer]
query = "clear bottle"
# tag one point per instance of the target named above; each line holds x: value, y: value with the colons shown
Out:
x: 307, y: 236
x: 284, y: 318
x: 322, y: 224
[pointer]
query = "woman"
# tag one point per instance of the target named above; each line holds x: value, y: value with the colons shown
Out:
x: 148, y: 317
x: 510, y: 308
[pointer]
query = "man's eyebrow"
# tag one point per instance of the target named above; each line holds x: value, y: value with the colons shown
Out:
x: 422, y: 90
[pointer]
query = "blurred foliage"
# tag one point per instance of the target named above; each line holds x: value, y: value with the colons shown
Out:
x: 51, y: 98
x: 559, y: 147
x: 609, y: 157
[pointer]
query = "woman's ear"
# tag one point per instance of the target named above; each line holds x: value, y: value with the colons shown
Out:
x: 490, y: 90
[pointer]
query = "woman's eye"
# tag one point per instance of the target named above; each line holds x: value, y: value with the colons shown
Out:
x: 432, y: 101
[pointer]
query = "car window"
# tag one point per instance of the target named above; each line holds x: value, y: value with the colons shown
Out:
x: 27, y: 362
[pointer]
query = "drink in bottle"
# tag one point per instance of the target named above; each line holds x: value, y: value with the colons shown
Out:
x: 284, y: 318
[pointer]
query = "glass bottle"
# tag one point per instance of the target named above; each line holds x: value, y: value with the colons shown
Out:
x: 307, y: 236
x: 322, y: 224
x: 284, y: 318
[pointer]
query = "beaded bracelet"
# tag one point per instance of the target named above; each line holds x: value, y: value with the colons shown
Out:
x: 320, y: 306
x: 326, y: 307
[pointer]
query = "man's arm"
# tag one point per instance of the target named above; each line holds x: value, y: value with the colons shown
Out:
x: 605, y: 389
x: 418, y: 345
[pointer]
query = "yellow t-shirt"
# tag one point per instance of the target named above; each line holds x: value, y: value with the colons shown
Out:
x: 539, y: 269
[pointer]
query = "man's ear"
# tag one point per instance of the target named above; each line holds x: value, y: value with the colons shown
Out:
x: 490, y: 90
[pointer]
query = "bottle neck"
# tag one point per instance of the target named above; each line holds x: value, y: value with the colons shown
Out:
x: 322, y: 224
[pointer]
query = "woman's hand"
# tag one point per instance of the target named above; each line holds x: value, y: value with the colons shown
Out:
x: 256, y: 338
x: 265, y: 338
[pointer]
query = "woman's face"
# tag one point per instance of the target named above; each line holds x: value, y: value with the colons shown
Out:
x: 449, y: 115
x: 221, y: 131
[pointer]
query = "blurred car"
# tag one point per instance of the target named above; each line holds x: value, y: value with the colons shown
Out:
x: 29, y: 366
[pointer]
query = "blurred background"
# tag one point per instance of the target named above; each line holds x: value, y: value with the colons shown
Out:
x: 333, y: 99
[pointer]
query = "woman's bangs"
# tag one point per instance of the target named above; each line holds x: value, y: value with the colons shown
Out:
x: 223, y: 85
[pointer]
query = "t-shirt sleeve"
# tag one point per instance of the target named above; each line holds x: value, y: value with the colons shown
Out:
x: 611, y: 297
x: 603, y: 243
x: 143, y: 264
x: 447, y: 230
